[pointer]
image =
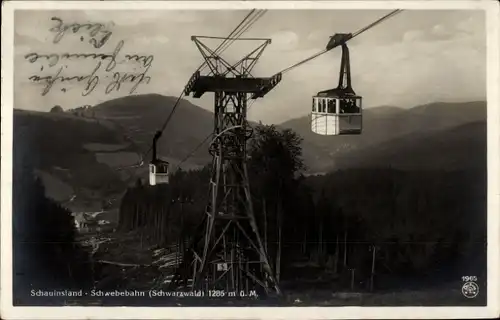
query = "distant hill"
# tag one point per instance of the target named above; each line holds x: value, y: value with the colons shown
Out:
x: 55, y: 145
x: 141, y: 115
x: 85, y: 152
x: 81, y: 156
x: 457, y: 148
x: 382, y: 124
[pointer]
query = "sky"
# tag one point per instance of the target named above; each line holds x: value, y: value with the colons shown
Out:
x: 413, y: 58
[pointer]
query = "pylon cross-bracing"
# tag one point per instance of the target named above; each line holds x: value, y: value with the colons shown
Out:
x: 227, y: 252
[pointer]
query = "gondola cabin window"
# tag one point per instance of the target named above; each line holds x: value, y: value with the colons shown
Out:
x: 158, y: 173
x: 336, y: 115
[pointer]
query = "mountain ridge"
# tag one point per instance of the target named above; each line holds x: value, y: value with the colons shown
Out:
x: 381, y: 125
x: 94, y: 150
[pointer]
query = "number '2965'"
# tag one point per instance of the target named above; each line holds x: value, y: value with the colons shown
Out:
x: 469, y: 278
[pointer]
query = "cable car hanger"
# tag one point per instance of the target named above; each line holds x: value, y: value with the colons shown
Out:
x: 338, y: 111
x: 344, y: 87
x: 334, y: 45
x: 158, y: 169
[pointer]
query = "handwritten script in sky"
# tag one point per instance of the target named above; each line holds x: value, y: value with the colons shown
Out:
x: 104, y: 63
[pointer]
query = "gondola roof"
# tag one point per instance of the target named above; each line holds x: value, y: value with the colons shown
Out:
x: 337, y: 93
x: 159, y: 161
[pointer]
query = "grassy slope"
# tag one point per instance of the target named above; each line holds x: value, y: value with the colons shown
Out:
x: 83, y: 154
x: 56, y: 143
x: 140, y: 116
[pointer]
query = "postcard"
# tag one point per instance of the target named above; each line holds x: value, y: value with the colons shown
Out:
x: 235, y: 160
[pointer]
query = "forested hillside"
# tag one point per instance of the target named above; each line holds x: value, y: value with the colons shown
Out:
x: 422, y: 224
x: 383, y: 124
x: 46, y: 253
x: 82, y: 154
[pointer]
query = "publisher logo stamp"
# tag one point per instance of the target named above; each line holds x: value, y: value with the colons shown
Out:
x: 470, y: 289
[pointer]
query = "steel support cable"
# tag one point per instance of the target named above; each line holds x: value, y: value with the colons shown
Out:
x: 357, y: 33
x: 368, y: 27
x: 202, y: 143
x: 371, y: 25
x: 235, y: 30
x: 194, y: 151
x: 353, y: 35
x: 392, y: 13
x: 205, y: 140
x: 227, y: 39
x: 200, y: 67
x: 232, y: 38
x: 241, y: 61
x: 248, y: 25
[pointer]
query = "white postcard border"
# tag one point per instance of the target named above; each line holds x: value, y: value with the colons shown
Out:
x: 7, y: 311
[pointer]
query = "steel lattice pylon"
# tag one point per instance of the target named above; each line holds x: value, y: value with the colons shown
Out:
x: 226, y: 252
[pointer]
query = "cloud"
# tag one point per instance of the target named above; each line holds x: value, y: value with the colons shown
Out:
x: 150, y: 42
x: 411, y: 59
x: 413, y: 35
x: 131, y: 18
x: 285, y: 40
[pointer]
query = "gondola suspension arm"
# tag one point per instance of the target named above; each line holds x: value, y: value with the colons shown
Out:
x: 343, y: 38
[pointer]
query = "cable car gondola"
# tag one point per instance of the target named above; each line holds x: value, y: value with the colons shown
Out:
x: 338, y: 111
x: 158, y: 169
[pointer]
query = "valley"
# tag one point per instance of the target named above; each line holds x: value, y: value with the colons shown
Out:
x: 85, y: 155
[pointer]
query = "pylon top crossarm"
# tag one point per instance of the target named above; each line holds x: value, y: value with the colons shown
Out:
x: 229, y: 38
x: 235, y: 78
x: 213, y: 58
x: 257, y: 52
